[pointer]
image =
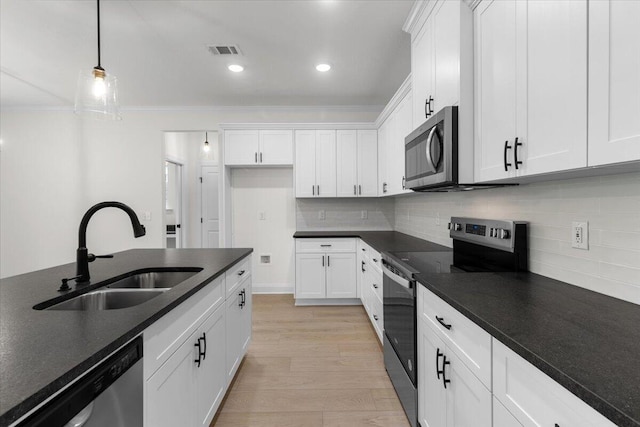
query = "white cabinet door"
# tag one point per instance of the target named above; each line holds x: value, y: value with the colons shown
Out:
x: 614, y: 81
x: 234, y: 333
x: 346, y: 159
x: 169, y: 393
x: 367, y: 163
x: 403, y: 126
x: 422, y: 69
x: 326, y: 163
x: 495, y: 88
x: 534, y: 398
x: 468, y: 400
x: 276, y: 147
x: 552, y: 100
x: 211, y: 378
x: 384, y: 165
x: 502, y: 417
x: 241, y: 147
x: 305, y: 166
x: 341, y: 275
x: 445, y: 20
x: 432, y: 397
x: 310, y: 275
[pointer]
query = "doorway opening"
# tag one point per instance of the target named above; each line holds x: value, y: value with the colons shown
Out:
x: 196, y: 223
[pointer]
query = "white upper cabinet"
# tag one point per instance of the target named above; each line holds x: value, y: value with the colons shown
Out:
x: 438, y: 50
x: 258, y: 147
x: 391, y: 136
x: 614, y: 81
x: 531, y: 87
x: 357, y: 163
x: 315, y: 166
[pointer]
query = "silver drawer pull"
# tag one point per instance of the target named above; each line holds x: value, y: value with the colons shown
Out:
x: 375, y: 286
x: 325, y: 246
x: 375, y: 317
x: 241, y: 272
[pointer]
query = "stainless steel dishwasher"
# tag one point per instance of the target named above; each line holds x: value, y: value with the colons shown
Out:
x: 110, y: 395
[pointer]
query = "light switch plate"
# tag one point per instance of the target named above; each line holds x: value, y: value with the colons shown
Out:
x: 321, y: 214
x: 364, y: 214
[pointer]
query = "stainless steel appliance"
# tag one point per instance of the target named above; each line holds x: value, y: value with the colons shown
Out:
x: 433, y: 157
x: 479, y: 245
x: 110, y: 395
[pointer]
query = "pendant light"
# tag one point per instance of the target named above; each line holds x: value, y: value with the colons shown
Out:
x: 97, y: 91
x: 206, y: 147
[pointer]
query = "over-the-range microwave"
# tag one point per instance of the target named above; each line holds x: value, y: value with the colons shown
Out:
x: 432, y: 161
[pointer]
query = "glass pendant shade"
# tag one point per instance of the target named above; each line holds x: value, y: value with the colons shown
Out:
x: 97, y: 94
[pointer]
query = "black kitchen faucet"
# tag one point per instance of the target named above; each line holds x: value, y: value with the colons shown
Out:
x: 83, y: 257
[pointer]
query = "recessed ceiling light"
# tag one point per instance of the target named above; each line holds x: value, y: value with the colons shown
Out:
x: 236, y: 68
x: 323, y: 67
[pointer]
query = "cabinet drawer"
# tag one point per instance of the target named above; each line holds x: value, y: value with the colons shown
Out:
x: 375, y: 281
x: 236, y: 274
x: 470, y: 342
x: 534, y: 398
x: 376, y: 315
x: 326, y: 245
x: 165, y: 336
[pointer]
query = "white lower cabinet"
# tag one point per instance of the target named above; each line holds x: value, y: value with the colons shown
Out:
x: 238, y: 308
x: 502, y: 417
x: 192, y: 353
x: 189, y: 387
x: 449, y: 393
x: 534, y: 398
x: 326, y: 269
x: 370, y: 274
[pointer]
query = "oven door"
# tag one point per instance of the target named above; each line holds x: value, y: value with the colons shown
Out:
x: 431, y: 152
x: 399, y: 300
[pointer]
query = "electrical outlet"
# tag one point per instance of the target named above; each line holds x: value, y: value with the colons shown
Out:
x: 321, y: 214
x: 364, y: 214
x: 438, y: 218
x: 580, y: 235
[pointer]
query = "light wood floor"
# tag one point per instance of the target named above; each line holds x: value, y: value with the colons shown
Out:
x: 311, y: 367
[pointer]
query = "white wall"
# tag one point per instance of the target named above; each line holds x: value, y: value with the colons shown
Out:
x: 83, y: 162
x: 611, y: 204
x: 269, y: 191
x: 41, y: 191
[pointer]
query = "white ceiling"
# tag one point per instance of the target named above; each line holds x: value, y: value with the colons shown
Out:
x: 157, y: 50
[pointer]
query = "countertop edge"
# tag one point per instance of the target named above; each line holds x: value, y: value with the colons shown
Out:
x: 588, y: 397
x: 16, y: 412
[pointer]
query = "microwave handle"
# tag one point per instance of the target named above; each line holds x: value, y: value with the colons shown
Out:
x: 428, y: 149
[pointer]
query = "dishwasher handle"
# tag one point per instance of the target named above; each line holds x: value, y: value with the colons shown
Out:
x: 396, y: 278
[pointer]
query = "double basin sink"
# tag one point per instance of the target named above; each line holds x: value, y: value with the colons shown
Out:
x: 135, y: 288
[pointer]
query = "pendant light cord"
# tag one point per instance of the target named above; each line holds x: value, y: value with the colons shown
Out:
x: 98, y: 8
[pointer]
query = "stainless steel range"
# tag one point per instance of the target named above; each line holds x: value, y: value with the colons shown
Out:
x: 479, y: 245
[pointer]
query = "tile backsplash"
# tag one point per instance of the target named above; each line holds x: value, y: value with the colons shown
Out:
x: 611, y: 205
x: 345, y: 214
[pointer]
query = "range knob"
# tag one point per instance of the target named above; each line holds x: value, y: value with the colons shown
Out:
x: 501, y: 233
x: 455, y: 226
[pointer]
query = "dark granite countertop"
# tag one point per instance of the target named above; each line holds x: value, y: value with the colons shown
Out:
x: 381, y: 241
x: 586, y: 341
x: 43, y: 350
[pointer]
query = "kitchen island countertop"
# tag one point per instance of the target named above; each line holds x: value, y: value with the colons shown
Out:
x: 41, y: 351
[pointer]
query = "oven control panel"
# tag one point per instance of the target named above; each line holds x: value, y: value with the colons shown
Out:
x: 499, y: 234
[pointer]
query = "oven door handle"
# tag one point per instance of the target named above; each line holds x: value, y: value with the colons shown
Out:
x: 397, y: 279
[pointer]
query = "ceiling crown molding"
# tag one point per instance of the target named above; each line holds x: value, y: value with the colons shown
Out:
x: 299, y: 126
x: 402, y: 91
x: 414, y: 16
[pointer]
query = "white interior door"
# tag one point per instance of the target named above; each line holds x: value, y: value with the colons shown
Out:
x: 210, y: 207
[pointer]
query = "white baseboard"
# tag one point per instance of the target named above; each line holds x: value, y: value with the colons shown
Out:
x: 271, y: 288
x: 330, y: 301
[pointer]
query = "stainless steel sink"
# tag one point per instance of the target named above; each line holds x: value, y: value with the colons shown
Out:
x: 108, y: 299
x: 153, y: 279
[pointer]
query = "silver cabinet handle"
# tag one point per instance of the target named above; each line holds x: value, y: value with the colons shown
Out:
x: 261, y: 157
x: 375, y: 286
x: 323, y: 260
x: 375, y: 317
x: 328, y: 261
x: 325, y: 246
x: 318, y: 189
x: 241, y: 272
x: 360, y: 189
x: 354, y: 189
x: 313, y: 189
x: 256, y: 157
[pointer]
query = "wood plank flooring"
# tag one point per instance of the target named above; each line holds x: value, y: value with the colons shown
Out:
x: 311, y: 367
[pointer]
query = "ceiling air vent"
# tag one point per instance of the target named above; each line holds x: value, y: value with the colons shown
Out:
x: 224, y: 50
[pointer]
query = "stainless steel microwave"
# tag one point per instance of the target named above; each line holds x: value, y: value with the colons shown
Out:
x: 431, y: 152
